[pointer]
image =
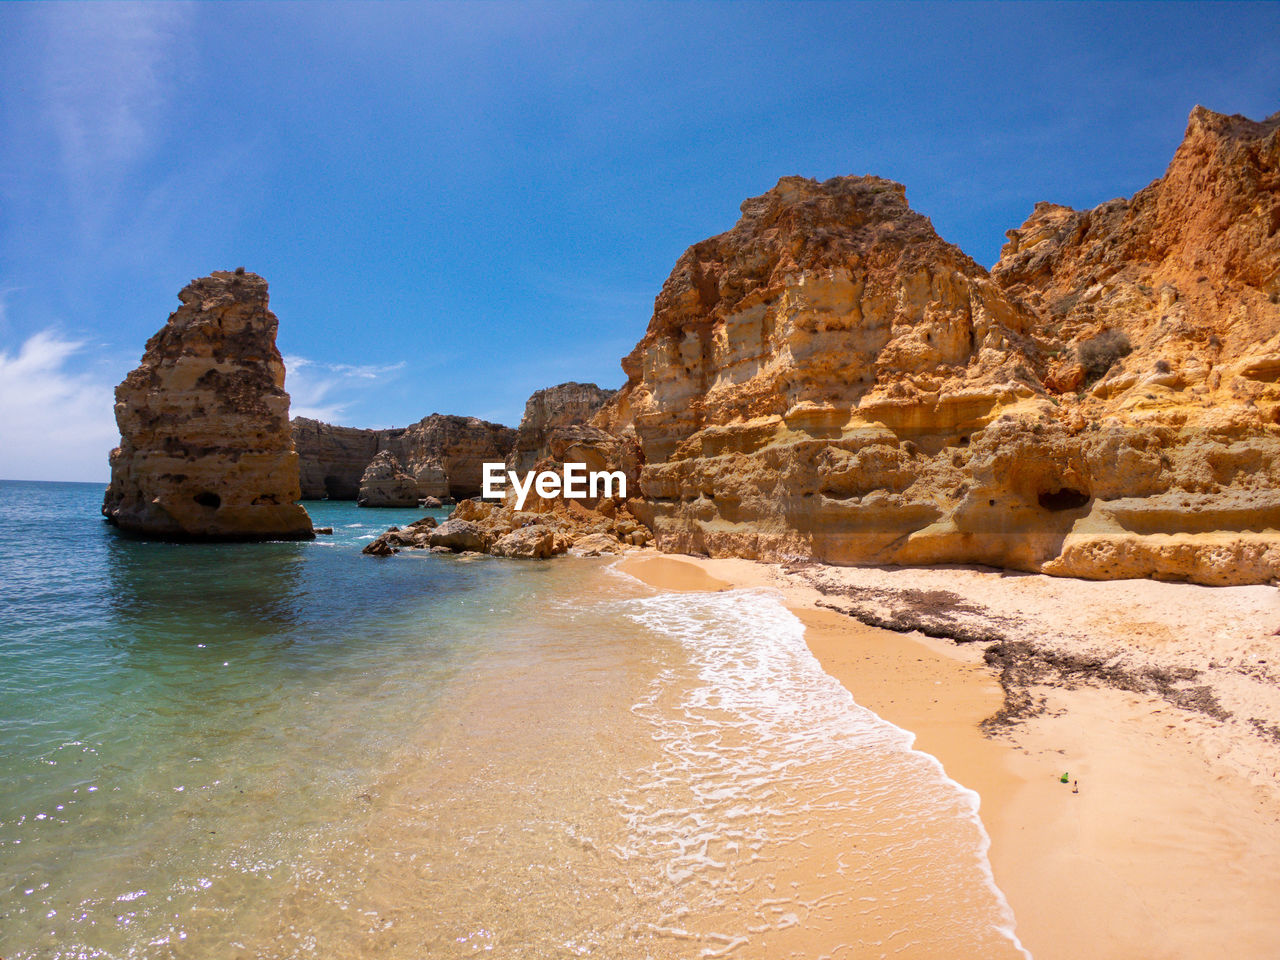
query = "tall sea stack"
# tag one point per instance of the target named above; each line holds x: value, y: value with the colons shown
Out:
x: 205, y: 450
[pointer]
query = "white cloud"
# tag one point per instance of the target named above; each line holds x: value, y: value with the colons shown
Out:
x: 322, y: 390
x: 54, y: 424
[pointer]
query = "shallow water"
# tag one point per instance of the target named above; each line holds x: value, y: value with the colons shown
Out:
x: 293, y: 750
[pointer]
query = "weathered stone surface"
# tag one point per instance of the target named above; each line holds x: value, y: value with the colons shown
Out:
x: 597, y: 545
x: 831, y: 379
x: 534, y: 542
x: 555, y: 427
x: 381, y: 547
x: 385, y: 484
x: 205, y: 450
x: 545, y: 528
x: 459, y: 534
x: 332, y: 460
x: 443, y: 454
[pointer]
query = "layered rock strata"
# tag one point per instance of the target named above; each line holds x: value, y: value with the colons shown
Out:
x: 205, y: 450
x: 831, y: 379
x: 556, y: 427
x: 333, y: 459
x: 443, y: 454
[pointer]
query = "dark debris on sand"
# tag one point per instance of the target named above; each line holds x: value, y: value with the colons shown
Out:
x: 1021, y: 664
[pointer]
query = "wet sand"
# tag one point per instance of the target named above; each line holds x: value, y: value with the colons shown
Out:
x: 1171, y: 847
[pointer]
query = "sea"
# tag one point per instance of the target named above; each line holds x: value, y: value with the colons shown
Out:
x: 293, y: 750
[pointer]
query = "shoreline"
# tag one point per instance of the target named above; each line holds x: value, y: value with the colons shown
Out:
x: 1171, y: 847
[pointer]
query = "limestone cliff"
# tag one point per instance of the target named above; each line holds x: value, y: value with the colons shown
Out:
x: 831, y: 379
x: 1164, y: 314
x: 332, y: 459
x: 205, y: 450
x: 556, y: 426
x: 443, y: 454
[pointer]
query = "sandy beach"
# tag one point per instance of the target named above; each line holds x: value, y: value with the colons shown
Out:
x: 1156, y: 699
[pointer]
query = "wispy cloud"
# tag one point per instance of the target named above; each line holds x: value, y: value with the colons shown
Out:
x: 323, y: 391
x: 109, y: 79
x: 55, y: 424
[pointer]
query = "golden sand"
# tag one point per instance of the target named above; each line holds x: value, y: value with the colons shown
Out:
x: 1163, y: 852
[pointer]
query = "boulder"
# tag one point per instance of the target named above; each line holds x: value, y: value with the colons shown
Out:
x: 597, y: 545
x: 380, y: 547
x: 534, y: 542
x: 458, y: 535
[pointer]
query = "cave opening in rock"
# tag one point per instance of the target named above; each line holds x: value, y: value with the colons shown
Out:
x: 1064, y: 499
x: 207, y: 499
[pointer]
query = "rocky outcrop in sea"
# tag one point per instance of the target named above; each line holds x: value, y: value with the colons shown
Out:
x: 545, y: 527
x: 443, y: 454
x: 385, y: 484
x: 205, y: 450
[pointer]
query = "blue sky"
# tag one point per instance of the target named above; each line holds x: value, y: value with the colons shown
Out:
x: 457, y: 204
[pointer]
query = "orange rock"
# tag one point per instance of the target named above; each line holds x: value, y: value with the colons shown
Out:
x: 831, y: 379
x: 205, y: 450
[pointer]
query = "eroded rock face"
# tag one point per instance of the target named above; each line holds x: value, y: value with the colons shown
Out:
x: 816, y: 356
x: 1164, y: 311
x: 332, y: 459
x: 830, y: 379
x: 443, y: 455
x: 556, y: 427
x: 385, y: 484
x: 544, y: 528
x: 205, y: 450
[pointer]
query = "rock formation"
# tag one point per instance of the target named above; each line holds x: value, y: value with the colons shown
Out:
x: 555, y: 427
x: 443, y: 454
x: 385, y: 484
x: 332, y: 459
x: 205, y: 450
x: 415, y: 534
x: 545, y: 528
x: 831, y: 379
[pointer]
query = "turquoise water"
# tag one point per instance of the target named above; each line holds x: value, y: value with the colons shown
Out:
x: 293, y: 750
